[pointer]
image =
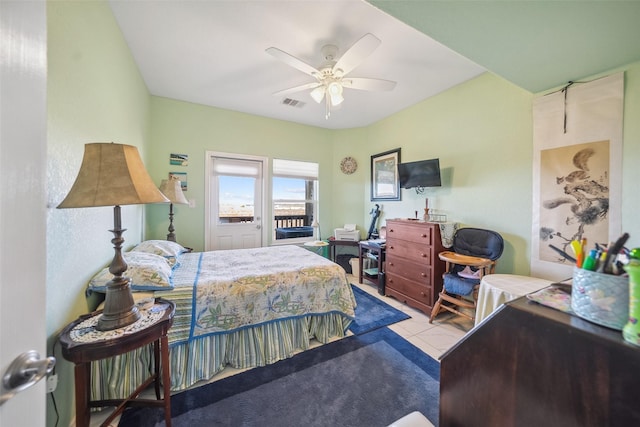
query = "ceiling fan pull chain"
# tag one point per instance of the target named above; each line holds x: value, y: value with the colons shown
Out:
x: 327, y: 107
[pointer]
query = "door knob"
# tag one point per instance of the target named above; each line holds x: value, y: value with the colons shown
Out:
x: 26, y: 370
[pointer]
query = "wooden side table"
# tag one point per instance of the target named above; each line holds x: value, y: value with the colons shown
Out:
x: 82, y: 344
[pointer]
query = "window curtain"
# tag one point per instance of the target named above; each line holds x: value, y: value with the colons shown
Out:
x: 295, y: 169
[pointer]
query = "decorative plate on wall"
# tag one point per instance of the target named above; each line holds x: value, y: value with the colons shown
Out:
x: 348, y: 165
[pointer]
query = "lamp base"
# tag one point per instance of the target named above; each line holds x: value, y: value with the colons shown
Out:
x: 171, y: 236
x: 119, y: 308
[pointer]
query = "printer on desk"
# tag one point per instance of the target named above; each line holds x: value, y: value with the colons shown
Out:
x: 348, y: 232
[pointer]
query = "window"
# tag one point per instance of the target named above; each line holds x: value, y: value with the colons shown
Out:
x: 295, y: 200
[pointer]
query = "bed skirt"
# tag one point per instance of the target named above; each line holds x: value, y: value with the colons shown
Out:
x: 202, y: 358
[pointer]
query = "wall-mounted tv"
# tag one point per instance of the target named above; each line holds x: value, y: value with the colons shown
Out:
x: 420, y: 174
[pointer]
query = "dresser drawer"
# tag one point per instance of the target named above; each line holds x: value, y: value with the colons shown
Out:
x: 414, y: 290
x: 418, y: 272
x: 417, y: 233
x: 410, y: 251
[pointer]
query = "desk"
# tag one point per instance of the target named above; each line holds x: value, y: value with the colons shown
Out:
x: 334, y: 243
x: 82, y: 344
x: 496, y: 289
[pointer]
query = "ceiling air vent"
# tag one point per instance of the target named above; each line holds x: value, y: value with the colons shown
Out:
x: 293, y: 103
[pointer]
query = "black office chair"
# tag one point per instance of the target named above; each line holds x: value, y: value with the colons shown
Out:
x: 474, y: 254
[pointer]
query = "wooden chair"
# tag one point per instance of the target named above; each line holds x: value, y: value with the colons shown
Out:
x: 474, y: 254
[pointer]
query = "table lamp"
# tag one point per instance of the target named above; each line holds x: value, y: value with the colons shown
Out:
x: 316, y: 224
x: 113, y: 175
x: 172, y: 189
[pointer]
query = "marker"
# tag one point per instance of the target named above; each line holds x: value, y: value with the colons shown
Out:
x: 578, y: 252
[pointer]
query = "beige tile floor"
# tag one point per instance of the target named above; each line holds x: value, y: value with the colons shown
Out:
x: 432, y: 338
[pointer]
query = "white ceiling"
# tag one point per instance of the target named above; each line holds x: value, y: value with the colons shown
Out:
x: 212, y: 52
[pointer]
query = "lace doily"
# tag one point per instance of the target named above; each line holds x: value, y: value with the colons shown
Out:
x: 86, y: 332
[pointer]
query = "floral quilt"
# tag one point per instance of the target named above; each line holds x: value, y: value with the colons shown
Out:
x: 235, y: 289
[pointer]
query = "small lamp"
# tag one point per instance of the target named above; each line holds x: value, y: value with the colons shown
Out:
x: 113, y: 175
x: 316, y: 224
x: 172, y: 189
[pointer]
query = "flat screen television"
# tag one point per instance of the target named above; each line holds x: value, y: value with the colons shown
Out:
x: 420, y: 174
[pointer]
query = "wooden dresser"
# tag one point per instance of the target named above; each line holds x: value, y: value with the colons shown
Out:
x: 413, y: 271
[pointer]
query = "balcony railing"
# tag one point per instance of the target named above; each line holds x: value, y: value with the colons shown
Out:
x: 291, y: 221
x: 282, y: 221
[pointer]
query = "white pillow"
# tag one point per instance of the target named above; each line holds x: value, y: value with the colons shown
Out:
x: 148, y: 272
x: 164, y: 248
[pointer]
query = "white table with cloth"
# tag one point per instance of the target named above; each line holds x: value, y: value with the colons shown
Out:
x: 496, y: 289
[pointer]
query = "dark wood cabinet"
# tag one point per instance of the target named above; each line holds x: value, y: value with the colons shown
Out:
x: 413, y: 271
x: 530, y: 365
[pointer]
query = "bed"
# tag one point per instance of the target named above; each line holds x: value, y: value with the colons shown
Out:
x: 241, y: 308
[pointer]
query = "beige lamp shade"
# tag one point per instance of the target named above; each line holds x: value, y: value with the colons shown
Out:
x: 112, y: 174
x: 172, y: 189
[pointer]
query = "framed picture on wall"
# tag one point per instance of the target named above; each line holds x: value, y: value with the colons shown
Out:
x: 385, y: 184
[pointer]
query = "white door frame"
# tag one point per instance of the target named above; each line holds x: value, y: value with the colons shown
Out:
x: 266, y: 194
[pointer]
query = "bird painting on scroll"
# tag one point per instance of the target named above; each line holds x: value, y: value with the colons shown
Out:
x: 574, y: 198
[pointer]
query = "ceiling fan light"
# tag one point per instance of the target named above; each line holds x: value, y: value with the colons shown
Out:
x: 335, y: 92
x: 317, y: 94
x: 336, y: 99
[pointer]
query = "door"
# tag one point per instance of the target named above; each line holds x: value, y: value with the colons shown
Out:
x: 235, y: 201
x: 23, y: 120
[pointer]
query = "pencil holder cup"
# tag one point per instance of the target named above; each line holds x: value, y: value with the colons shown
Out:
x: 631, y: 331
x: 600, y: 298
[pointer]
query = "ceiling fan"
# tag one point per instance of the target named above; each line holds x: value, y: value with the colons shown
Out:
x: 331, y: 75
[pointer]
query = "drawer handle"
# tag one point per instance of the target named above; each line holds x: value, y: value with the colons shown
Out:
x: 390, y: 230
x: 391, y: 264
x: 391, y: 247
x: 424, y: 235
x: 423, y: 294
x: 423, y: 255
x: 423, y: 274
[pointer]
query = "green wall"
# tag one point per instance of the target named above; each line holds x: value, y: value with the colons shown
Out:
x: 631, y: 154
x: 185, y: 128
x: 481, y: 131
x: 95, y: 94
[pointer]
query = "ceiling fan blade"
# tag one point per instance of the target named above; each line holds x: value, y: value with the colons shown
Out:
x: 292, y: 61
x: 298, y: 88
x: 362, y: 83
x: 357, y: 53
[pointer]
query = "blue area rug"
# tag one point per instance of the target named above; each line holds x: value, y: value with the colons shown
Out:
x: 363, y: 380
x: 372, y: 313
